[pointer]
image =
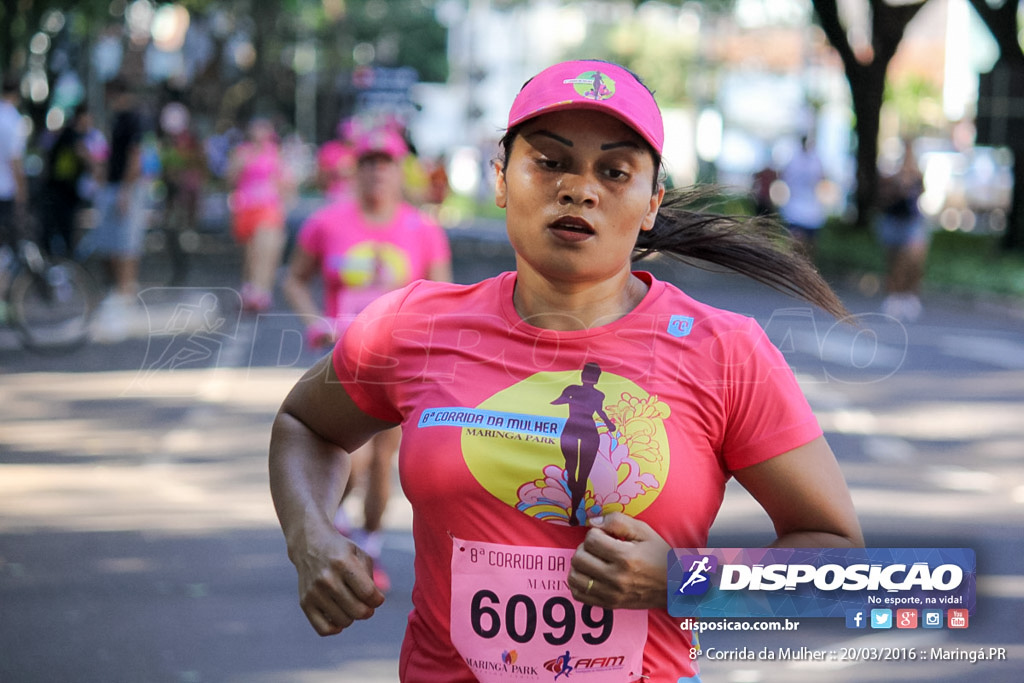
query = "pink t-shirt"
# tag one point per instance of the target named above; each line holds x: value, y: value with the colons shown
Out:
x: 359, y: 260
x: 497, y: 415
x: 258, y: 182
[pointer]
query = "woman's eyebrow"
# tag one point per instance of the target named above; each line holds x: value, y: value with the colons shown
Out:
x: 568, y: 143
x: 614, y: 145
x: 548, y: 134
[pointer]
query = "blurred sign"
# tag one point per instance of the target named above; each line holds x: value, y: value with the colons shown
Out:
x: 384, y: 88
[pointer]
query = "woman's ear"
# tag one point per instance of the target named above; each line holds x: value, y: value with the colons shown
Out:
x: 500, y: 189
x: 652, y: 211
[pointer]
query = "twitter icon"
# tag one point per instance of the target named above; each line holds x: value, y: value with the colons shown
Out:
x: 881, y: 618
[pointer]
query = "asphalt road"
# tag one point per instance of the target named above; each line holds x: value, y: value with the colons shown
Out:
x: 138, y: 542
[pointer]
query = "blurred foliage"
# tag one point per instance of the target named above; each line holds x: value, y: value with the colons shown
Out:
x: 463, y: 207
x: 343, y: 33
x: 665, y: 53
x: 403, y: 33
x: 961, y: 262
x: 918, y: 103
x: 422, y: 43
x: 843, y: 250
x: 666, y: 58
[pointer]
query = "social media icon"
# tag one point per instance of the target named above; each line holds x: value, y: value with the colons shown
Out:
x: 957, y: 618
x: 881, y: 618
x: 856, y: 618
x: 931, y: 618
x: 906, y: 618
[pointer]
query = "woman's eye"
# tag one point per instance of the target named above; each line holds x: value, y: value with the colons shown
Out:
x: 616, y: 174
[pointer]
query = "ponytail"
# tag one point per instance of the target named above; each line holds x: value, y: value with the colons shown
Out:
x: 758, y: 247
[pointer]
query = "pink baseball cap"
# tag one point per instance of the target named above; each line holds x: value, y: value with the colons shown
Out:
x: 381, y: 140
x: 591, y: 84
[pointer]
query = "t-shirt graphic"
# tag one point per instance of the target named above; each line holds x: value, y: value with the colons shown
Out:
x: 580, y: 439
x: 592, y: 443
x: 366, y: 271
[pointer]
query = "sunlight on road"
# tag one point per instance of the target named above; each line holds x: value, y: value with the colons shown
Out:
x: 932, y: 420
x: 84, y: 451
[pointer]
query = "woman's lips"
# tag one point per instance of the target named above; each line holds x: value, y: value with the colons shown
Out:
x: 571, y: 228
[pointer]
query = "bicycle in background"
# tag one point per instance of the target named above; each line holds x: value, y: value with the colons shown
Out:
x: 48, y: 301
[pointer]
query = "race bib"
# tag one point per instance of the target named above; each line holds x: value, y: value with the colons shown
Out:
x: 514, y: 619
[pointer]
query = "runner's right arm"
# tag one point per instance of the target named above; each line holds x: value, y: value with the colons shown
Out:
x: 316, y: 428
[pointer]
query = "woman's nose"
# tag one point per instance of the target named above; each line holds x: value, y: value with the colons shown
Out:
x: 577, y: 188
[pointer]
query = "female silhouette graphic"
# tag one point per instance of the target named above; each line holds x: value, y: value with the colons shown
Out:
x: 580, y: 439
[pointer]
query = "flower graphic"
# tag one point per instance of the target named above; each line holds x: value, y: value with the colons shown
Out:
x: 638, y: 421
x: 615, y: 480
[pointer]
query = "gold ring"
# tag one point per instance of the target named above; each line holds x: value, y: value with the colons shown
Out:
x: 590, y: 584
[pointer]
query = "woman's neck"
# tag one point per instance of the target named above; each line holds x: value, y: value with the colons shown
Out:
x: 568, y: 306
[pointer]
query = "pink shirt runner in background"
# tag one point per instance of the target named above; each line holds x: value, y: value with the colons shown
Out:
x: 259, y: 179
x: 359, y: 260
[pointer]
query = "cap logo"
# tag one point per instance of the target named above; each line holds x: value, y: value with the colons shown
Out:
x: 593, y: 85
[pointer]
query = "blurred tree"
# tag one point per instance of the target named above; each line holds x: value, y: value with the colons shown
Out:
x: 398, y: 33
x: 1001, y: 102
x: 21, y: 19
x: 866, y: 70
x: 667, y: 55
x: 917, y: 102
x: 262, y: 48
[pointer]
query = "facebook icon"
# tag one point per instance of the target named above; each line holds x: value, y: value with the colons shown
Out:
x: 855, y: 618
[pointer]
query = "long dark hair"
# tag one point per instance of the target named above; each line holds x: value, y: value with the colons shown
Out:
x: 689, y: 230
x: 759, y: 247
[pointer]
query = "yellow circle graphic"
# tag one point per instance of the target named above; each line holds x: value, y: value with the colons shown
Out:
x: 566, y: 446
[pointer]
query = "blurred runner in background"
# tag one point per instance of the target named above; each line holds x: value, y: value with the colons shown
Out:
x: 903, y: 231
x: 261, y: 186
x: 362, y: 248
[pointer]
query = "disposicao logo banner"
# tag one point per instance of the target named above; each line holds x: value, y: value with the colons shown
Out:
x: 816, y: 582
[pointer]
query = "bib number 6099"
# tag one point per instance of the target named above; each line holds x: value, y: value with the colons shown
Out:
x: 520, y: 618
